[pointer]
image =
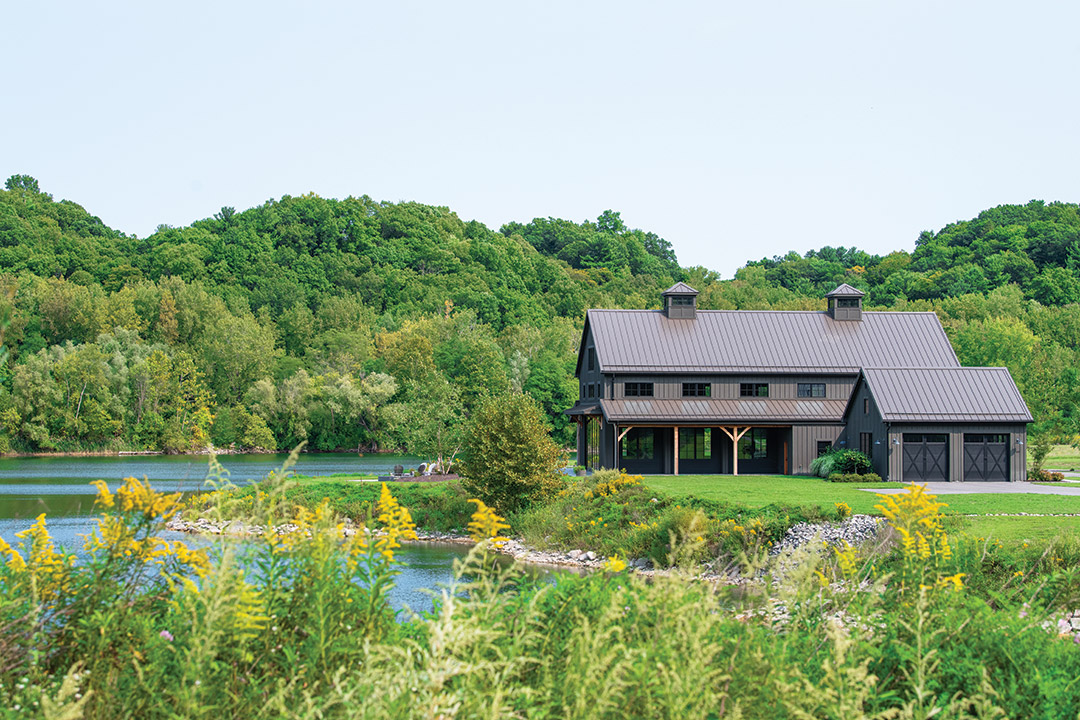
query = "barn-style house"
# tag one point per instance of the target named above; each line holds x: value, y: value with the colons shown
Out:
x: 682, y: 390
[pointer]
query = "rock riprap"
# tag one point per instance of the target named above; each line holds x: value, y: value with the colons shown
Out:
x: 856, y: 530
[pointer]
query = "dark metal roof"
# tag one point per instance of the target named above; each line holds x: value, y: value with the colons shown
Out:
x: 970, y: 394
x: 751, y: 341
x: 701, y: 410
x: 845, y: 290
x: 680, y: 288
x: 592, y: 407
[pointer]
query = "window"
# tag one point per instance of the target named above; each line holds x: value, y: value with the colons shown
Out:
x: 638, y: 390
x: 929, y: 438
x: 847, y: 302
x: 684, y: 301
x: 600, y: 390
x: 754, y: 444
x: 866, y: 444
x: 866, y: 406
x: 697, y: 390
x: 986, y: 438
x: 753, y: 390
x: 638, y: 444
x: 823, y: 447
x: 695, y: 443
x: 592, y: 358
x: 592, y: 443
x: 592, y: 390
x: 812, y: 390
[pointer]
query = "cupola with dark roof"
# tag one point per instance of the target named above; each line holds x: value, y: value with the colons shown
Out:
x: 680, y: 302
x: 845, y: 303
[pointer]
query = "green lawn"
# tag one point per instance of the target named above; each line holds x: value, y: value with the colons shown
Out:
x: 759, y: 490
x: 1017, y: 530
x: 1062, y: 457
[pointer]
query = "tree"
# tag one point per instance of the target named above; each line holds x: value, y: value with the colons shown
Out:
x: 22, y: 182
x: 430, y: 420
x: 509, y: 459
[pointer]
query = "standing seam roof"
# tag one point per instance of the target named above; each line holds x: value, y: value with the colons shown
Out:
x: 766, y: 341
x: 971, y: 394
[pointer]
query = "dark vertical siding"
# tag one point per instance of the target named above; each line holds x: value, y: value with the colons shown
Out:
x: 804, y: 440
x: 860, y: 422
x: 781, y: 387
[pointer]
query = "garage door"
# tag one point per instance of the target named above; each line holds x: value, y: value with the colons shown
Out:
x: 926, y: 457
x: 986, y: 458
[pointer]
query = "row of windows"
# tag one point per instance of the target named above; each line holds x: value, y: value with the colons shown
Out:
x: 644, y: 389
x: 694, y: 444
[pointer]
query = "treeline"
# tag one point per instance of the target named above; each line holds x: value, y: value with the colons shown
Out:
x: 335, y: 322
x: 361, y: 324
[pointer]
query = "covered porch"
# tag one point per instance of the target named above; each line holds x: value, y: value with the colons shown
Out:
x: 670, y: 449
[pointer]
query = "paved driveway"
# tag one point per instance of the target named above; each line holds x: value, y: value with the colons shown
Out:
x: 1003, y: 488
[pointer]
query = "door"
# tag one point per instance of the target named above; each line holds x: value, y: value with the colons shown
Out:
x: 986, y: 458
x: 926, y: 457
x: 641, y: 451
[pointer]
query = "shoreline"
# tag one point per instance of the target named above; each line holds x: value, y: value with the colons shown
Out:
x: 574, y: 559
x: 198, y: 453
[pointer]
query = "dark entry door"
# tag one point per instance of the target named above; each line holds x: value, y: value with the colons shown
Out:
x: 926, y: 457
x: 986, y: 458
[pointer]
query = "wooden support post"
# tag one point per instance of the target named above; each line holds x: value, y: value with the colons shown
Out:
x: 676, y: 450
x: 735, y: 434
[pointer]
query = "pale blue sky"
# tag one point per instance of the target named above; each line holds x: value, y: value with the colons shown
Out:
x: 735, y: 130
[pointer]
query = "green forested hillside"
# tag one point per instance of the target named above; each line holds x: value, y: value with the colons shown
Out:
x: 355, y: 323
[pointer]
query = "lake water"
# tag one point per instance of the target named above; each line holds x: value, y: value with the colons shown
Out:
x: 60, y: 487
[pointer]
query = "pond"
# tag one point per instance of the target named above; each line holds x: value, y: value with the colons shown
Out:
x: 60, y: 487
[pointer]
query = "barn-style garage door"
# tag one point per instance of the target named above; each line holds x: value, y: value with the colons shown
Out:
x: 986, y: 458
x: 926, y: 457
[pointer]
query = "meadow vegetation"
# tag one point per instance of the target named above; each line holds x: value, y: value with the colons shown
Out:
x: 297, y: 625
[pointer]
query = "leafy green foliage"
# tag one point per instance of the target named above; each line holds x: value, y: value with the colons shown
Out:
x: 841, y: 462
x: 840, y: 477
x: 509, y: 459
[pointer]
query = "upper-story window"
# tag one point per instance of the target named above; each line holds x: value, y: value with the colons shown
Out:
x: 697, y: 389
x: 753, y: 389
x: 592, y: 358
x: 848, y: 302
x: 677, y: 300
x: 592, y: 390
x: 811, y: 390
x: 638, y: 389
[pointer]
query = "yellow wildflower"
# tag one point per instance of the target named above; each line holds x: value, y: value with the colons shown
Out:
x: 485, y: 524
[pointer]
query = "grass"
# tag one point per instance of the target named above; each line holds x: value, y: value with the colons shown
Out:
x: 1018, y: 530
x: 1062, y: 457
x: 760, y: 490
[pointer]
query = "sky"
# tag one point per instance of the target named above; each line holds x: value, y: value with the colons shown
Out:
x: 734, y: 130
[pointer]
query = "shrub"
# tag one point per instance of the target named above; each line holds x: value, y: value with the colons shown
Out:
x: 1046, y: 476
x: 510, y: 460
x: 840, y: 461
x: 869, y: 477
x: 852, y: 461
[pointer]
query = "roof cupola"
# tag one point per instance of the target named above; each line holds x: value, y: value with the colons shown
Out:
x: 680, y: 302
x: 845, y: 303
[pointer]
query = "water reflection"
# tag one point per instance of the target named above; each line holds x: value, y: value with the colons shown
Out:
x: 60, y: 487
